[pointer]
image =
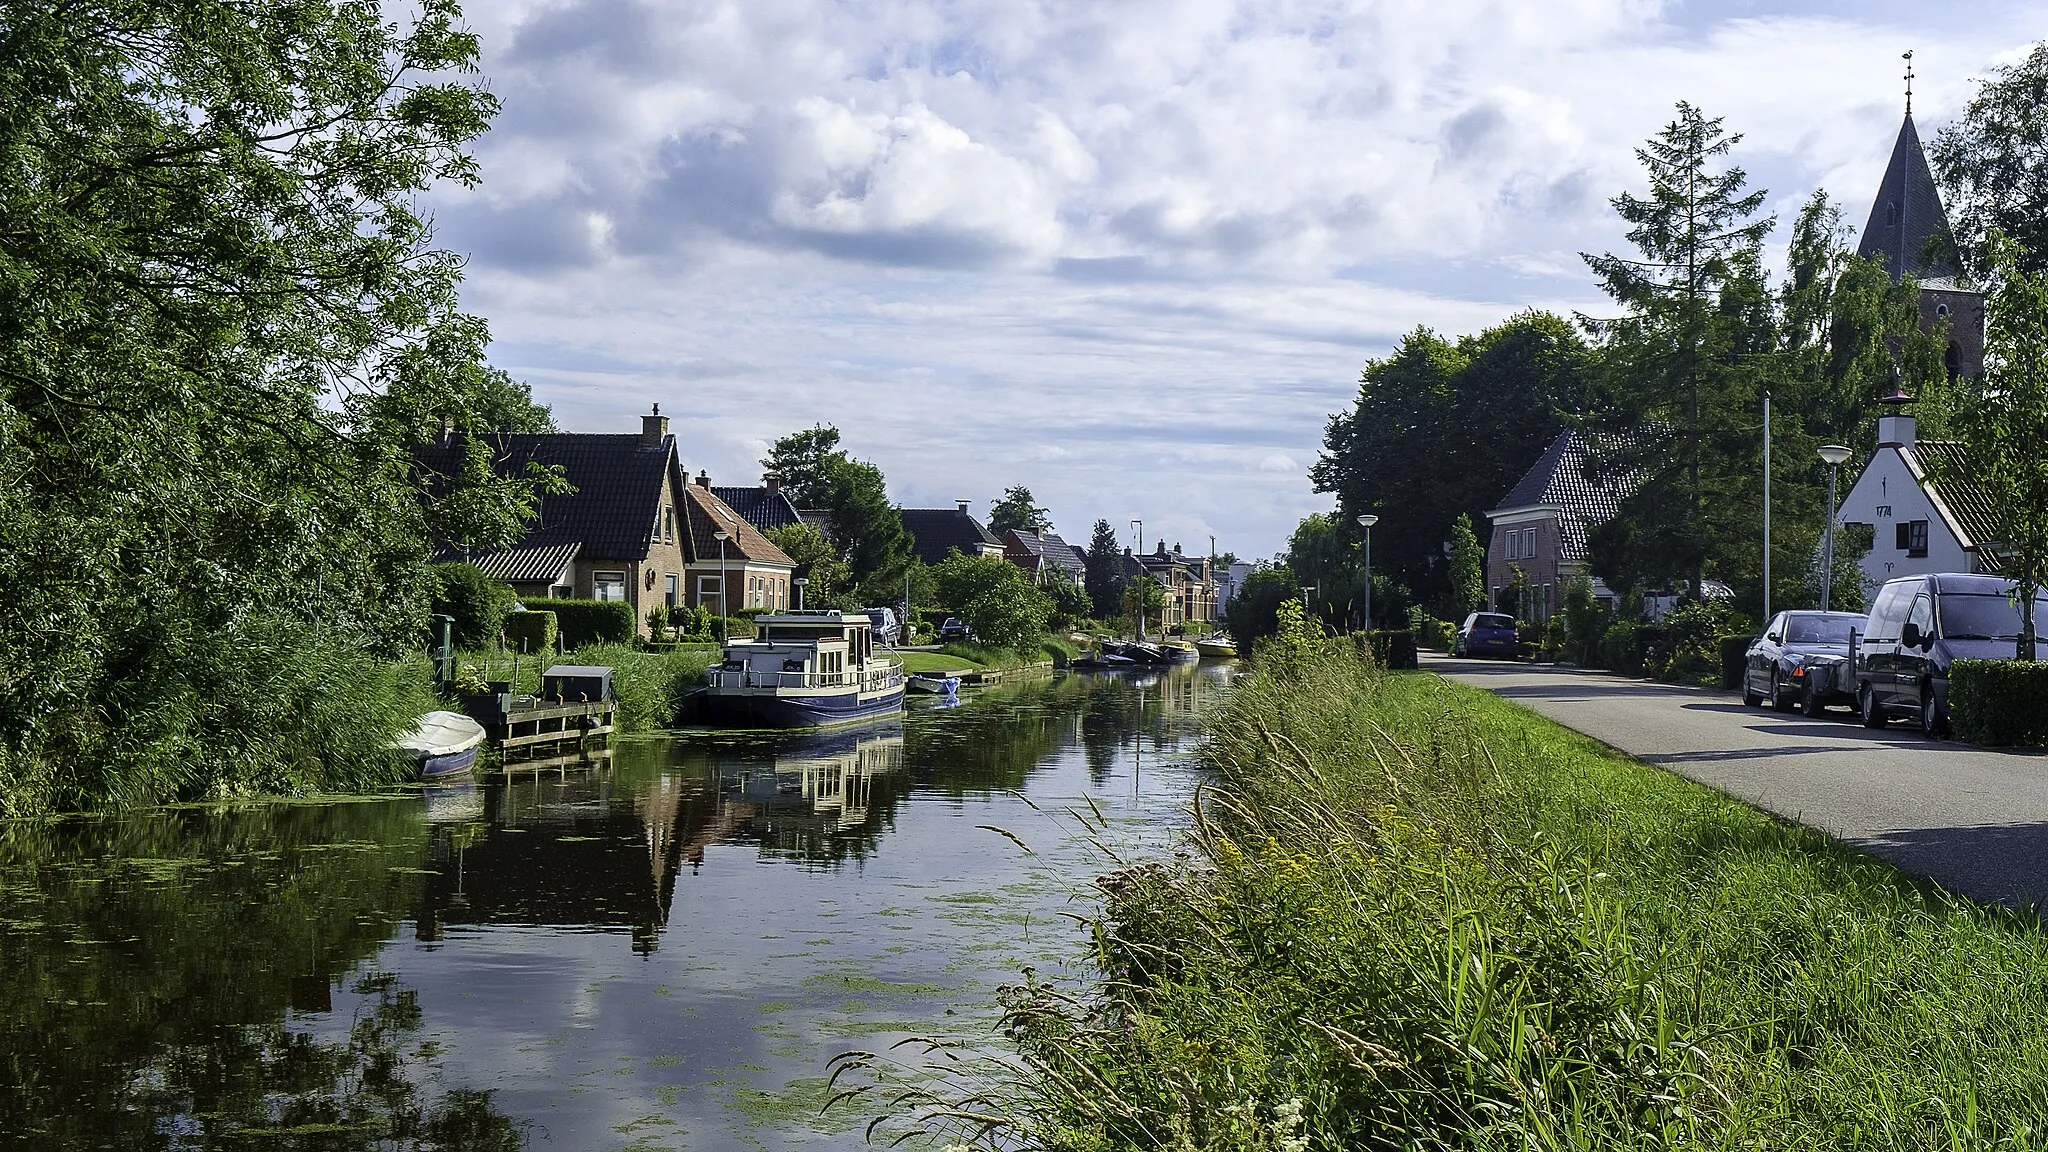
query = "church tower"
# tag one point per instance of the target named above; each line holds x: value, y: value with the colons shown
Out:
x: 1906, y: 220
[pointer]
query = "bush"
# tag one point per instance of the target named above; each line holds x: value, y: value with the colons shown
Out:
x: 1431, y: 632
x: 593, y: 621
x: 477, y: 602
x: 1734, y: 655
x: 1691, y: 651
x: 531, y: 631
x: 724, y: 628
x: 650, y: 687
x: 1393, y: 650
x: 1621, y: 649
x: 1999, y: 703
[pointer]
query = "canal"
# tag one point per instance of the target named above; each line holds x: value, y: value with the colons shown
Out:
x: 661, y: 953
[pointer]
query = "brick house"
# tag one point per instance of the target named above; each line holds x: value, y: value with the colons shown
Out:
x: 1541, y: 528
x: 1188, y: 584
x: 744, y: 570
x: 1045, y: 557
x: 765, y: 505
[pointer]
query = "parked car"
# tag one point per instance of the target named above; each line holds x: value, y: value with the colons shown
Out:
x: 1779, y: 667
x: 887, y: 630
x: 1918, y: 626
x: 954, y: 629
x: 1487, y: 634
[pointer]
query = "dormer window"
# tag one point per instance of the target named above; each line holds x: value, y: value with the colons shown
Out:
x: 1891, y: 213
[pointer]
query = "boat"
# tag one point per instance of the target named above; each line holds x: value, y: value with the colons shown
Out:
x: 1139, y: 652
x: 442, y: 743
x: 804, y: 670
x: 1101, y: 660
x: 1179, y: 651
x: 1218, y: 647
x: 935, y: 685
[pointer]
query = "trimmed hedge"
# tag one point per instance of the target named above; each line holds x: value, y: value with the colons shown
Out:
x: 1393, y: 650
x: 1999, y: 703
x: 532, y: 631
x: 1734, y: 659
x: 594, y: 622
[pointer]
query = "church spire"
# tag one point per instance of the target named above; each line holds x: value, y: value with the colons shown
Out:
x: 1909, y: 83
x: 1908, y: 228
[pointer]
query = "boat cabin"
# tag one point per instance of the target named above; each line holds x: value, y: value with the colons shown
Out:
x: 804, y: 650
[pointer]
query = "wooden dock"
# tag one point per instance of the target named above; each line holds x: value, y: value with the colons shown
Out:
x: 545, y: 726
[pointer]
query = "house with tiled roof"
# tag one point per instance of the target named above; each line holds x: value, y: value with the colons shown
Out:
x: 1917, y: 499
x: 1044, y: 556
x: 1188, y: 584
x: 1542, y: 526
x: 764, y: 505
x: 936, y: 532
x: 732, y: 566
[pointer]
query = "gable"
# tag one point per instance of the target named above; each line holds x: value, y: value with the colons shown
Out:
x: 619, y: 483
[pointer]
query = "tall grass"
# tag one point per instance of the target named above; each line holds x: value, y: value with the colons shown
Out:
x: 1414, y: 916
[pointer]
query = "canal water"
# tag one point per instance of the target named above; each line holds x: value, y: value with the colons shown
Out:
x: 663, y: 952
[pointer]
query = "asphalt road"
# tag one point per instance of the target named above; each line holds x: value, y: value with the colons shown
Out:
x: 1972, y: 820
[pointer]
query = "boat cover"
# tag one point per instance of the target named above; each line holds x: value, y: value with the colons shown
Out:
x: 442, y: 734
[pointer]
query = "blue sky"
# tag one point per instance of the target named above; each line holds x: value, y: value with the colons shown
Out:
x: 1129, y: 254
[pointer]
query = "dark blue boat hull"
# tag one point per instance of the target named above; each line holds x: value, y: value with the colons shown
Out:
x: 766, y: 711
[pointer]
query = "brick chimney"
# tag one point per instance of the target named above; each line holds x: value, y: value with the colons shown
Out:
x: 963, y: 505
x: 703, y: 478
x: 654, y: 426
x: 772, y: 481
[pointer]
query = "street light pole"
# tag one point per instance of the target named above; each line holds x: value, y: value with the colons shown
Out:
x: 1366, y: 521
x: 1767, y: 504
x: 721, y: 535
x: 1833, y: 455
x: 800, y: 582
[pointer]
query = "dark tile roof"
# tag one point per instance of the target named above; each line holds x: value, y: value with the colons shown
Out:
x: 937, y: 531
x: 1048, y: 547
x: 528, y: 565
x: 708, y: 514
x: 760, y: 506
x: 1907, y: 214
x: 1952, y: 485
x: 618, y: 482
x: 1559, y: 479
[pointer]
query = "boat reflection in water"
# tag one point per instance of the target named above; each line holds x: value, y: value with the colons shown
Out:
x: 599, y: 847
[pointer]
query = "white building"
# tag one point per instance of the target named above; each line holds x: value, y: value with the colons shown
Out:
x: 1918, y: 525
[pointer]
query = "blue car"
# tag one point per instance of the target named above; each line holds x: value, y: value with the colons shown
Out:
x: 1488, y: 634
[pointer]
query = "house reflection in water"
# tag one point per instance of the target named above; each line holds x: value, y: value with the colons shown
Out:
x: 600, y: 847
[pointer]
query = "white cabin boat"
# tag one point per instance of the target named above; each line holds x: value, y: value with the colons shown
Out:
x: 805, y: 670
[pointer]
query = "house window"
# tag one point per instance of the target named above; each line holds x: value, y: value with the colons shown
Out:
x: 1891, y: 213
x: 561, y: 592
x: 1514, y: 541
x: 672, y: 593
x: 707, y: 588
x: 608, y: 586
x: 1912, y: 537
x: 1529, y: 542
x: 668, y: 524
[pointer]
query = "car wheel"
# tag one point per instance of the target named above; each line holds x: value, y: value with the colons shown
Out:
x: 1810, y: 702
x: 1750, y: 699
x: 1866, y: 703
x: 1930, y: 715
x: 1778, y: 700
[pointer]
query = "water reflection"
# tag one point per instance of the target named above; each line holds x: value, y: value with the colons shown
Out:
x: 702, y: 920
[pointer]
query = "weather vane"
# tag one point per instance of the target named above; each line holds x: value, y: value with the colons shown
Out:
x: 1909, y: 81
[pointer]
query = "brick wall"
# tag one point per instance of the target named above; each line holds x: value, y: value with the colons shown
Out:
x: 1538, y: 560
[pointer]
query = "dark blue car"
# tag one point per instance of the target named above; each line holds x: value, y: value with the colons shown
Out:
x: 1488, y: 634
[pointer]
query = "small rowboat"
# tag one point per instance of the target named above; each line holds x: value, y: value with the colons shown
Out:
x: 443, y: 743
x: 935, y: 685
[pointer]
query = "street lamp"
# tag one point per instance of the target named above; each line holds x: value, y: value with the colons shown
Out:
x: 1834, y: 456
x: 721, y: 536
x: 1366, y: 521
x: 800, y: 582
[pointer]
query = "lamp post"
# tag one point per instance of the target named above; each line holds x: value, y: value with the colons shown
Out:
x: 722, y: 537
x: 1833, y: 455
x: 800, y: 582
x: 1366, y: 521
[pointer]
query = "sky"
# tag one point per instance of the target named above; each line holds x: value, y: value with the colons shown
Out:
x: 1130, y: 254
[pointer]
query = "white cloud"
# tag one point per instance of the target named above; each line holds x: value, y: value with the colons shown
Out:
x: 1128, y: 254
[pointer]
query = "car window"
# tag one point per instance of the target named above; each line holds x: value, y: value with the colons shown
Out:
x: 1493, y: 620
x: 1820, y: 629
x: 1890, y: 610
x: 1974, y: 616
x: 1922, y: 616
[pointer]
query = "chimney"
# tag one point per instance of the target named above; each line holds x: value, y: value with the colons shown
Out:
x: 963, y: 505
x: 772, y: 481
x: 703, y: 478
x: 1897, y: 428
x: 447, y: 431
x: 654, y: 427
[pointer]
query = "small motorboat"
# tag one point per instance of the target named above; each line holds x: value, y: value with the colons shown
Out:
x: 443, y: 743
x: 1217, y: 647
x: 1179, y: 651
x: 1102, y: 660
x: 935, y: 685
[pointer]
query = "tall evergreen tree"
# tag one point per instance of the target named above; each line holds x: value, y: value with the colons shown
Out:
x: 1102, y: 577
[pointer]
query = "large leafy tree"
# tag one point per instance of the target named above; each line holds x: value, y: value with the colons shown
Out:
x: 817, y: 561
x: 868, y: 531
x: 1016, y: 511
x: 1681, y: 376
x: 1103, y: 577
x: 803, y: 460
x: 1993, y: 165
x: 995, y: 598
x: 224, y: 332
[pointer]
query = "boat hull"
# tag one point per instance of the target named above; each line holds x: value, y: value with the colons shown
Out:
x: 449, y: 764
x: 784, y: 710
x: 1214, y: 651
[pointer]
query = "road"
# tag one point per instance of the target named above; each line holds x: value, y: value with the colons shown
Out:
x: 1972, y: 820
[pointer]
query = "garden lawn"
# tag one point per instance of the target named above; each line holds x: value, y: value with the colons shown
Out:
x: 920, y: 662
x: 1416, y: 916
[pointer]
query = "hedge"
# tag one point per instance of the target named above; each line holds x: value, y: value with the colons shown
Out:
x: 594, y: 622
x: 1999, y: 703
x: 532, y: 631
x: 1734, y: 659
x: 476, y: 602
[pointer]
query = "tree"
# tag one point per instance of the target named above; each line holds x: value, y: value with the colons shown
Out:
x: 804, y: 461
x: 2004, y: 433
x: 1253, y: 613
x: 1993, y: 168
x: 868, y: 529
x: 1143, y: 599
x: 1678, y: 381
x: 1016, y: 513
x: 817, y: 561
x: 507, y: 405
x: 1103, y: 576
x: 995, y: 598
x: 1468, y: 569
x: 224, y: 334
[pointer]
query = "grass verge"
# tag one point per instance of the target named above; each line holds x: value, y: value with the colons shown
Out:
x: 1415, y: 916
x: 916, y: 662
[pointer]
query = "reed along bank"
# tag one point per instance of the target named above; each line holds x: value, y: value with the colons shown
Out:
x: 1415, y: 916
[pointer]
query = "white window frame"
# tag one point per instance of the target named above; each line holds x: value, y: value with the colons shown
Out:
x: 599, y: 581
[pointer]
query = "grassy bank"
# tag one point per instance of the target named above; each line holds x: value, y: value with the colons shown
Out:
x: 649, y: 686
x: 1418, y: 917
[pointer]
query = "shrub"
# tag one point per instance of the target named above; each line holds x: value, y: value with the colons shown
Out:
x: 1691, y: 649
x: 1734, y: 655
x: 1431, y: 632
x: 724, y: 628
x: 1999, y: 703
x: 1621, y: 649
x: 593, y: 621
x: 650, y: 687
x: 477, y: 602
x: 531, y: 631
